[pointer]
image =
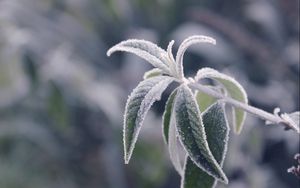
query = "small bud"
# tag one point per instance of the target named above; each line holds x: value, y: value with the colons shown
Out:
x: 295, y: 170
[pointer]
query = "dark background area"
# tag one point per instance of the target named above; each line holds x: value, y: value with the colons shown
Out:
x: 62, y: 100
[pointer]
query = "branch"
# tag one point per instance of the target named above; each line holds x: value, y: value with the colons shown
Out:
x: 273, y: 118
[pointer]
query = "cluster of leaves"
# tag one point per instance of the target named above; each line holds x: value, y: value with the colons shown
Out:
x: 196, y: 119
x: 247, y: 44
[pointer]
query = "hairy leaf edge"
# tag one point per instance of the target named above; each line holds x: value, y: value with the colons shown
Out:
x: 184, y: 46
x: 167, y: 115
x: 159, y: 63
x: 225, y: 179
x: 215, y: 75
x: 174, y: 148
x: 224, y: 152
x: 166, y: 80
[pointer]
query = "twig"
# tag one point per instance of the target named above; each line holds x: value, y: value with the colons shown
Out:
x: 274, y: 118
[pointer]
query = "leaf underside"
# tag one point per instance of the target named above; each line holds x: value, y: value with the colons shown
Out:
x: 204, y: 100
x: 137, y: 106
x: 217, y: 130
x: 173, y: 148
x: 236, y: 93
x: 192, y: 134
x: 234, y: 90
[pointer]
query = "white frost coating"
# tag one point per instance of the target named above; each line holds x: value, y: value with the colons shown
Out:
x: 153, y: 95
x: 171, y: 61
x: 204, y: 73
x: 276, y: 112
x: 144, y: 49
x: 199, y: 120
x: 185, y: 44
x: 213, y: 74
x: 169, y: 50
x: 225, y: 146
x: 226, y: 137
x: 166, y: 118
x: 184, y: 168
x: 136, y: 42
x: 293, y: 119
x: 173, y: 147
x: 290, y: 119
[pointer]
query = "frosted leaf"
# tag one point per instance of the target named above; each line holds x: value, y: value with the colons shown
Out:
x: 173, y: 147
x: 137, y: 106
x: 169, y: 50
x: 195, y: 177
x: 167, y: 116
x: 146, y: 50
x: 233, y: 88
x: 293, y: 119
x: 192, y: 134
x: 217, y: 131
x: 171, y: 61
x: 152, y: 73
x: 185, y: 44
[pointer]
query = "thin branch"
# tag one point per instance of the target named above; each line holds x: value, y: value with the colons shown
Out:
x: 274, y: 118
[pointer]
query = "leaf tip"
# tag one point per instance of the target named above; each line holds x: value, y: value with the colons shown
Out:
x: 238, y: 127
x: 225, y: 179
x: 126, y: 161
x: 222, y: 177
x: 127, y: 157
x: 109, y: 52
x: 237, y: 130
x: 171, y: 43
x: 113, y: 49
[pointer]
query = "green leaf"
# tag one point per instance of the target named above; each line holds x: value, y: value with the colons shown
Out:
x: 204, y: 100
x: 195, y: 177
x: 137, y: 106
x: 217, y: 131
x: 167, y: 115
x: 146, y: 50
x: 192, y: 134
x: 234, y: 90
x: 152, y: 73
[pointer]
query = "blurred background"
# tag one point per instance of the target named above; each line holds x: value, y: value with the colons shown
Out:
x: 62, y: 100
